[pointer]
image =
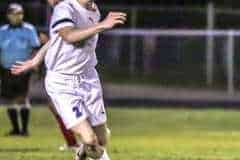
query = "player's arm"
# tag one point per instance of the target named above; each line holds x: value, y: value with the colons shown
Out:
x: 39, y: 57
x: 73, y: 35
x: 22, y: 67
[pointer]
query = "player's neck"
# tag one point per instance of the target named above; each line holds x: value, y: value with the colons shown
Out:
x: 84, y: 4
x: 88, y: 5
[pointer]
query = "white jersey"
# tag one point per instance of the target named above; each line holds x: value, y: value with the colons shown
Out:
x: 66, y: 58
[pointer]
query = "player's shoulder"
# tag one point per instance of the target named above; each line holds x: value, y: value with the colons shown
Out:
x: 4, y: 27
x: 28, y: 26
x: 63, y: 5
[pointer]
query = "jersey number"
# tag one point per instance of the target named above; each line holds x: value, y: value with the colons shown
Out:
x: 77, y: 112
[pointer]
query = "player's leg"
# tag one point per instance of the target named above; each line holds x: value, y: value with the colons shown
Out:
x: 91, y: 148
x: 97, y: 115
x: 103, y: 134
x: 67, y: 134
x: 76, y: 118
x: 69, y: 102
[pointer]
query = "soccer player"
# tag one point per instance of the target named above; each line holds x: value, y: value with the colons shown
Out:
x: 72, y: 81
x: 25, y: 66
x: 18, y: 40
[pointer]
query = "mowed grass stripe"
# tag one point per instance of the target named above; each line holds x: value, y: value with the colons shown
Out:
x: 137, y: 134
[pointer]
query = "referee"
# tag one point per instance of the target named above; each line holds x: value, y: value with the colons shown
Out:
x: 18, y: 40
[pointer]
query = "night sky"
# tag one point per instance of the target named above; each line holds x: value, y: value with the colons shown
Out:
x: 229, y: 3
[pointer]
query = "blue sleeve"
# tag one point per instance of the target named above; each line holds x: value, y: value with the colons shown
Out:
x: 34, y: 39
x: 0, y: 34
x: 1, y: 38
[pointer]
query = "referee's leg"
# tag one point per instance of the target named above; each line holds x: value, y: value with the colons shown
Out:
x: 22, y: 100
x: 8, y: 94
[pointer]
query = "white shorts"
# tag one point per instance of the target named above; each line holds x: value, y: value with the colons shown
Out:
x: 77, y: 97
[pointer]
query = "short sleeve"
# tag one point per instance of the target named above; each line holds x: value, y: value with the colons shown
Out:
x: 62, y: 17
x: 34, y: 39
x: 1, y: 36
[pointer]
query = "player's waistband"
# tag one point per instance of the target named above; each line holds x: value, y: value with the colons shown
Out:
x: 84, y: 75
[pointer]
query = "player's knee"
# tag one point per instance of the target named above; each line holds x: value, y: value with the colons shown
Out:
x: 90, y: 139
x: 94, y: 151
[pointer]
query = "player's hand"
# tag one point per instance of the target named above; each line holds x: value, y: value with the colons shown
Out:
x: 22, y: 67
x: 113, y: 19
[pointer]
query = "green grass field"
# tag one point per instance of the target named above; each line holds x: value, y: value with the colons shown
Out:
x: 137, y: 134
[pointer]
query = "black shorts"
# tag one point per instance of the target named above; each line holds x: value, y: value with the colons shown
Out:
x: 14, y: 86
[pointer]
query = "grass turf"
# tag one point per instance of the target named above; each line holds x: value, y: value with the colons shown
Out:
x: 137, y: 134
